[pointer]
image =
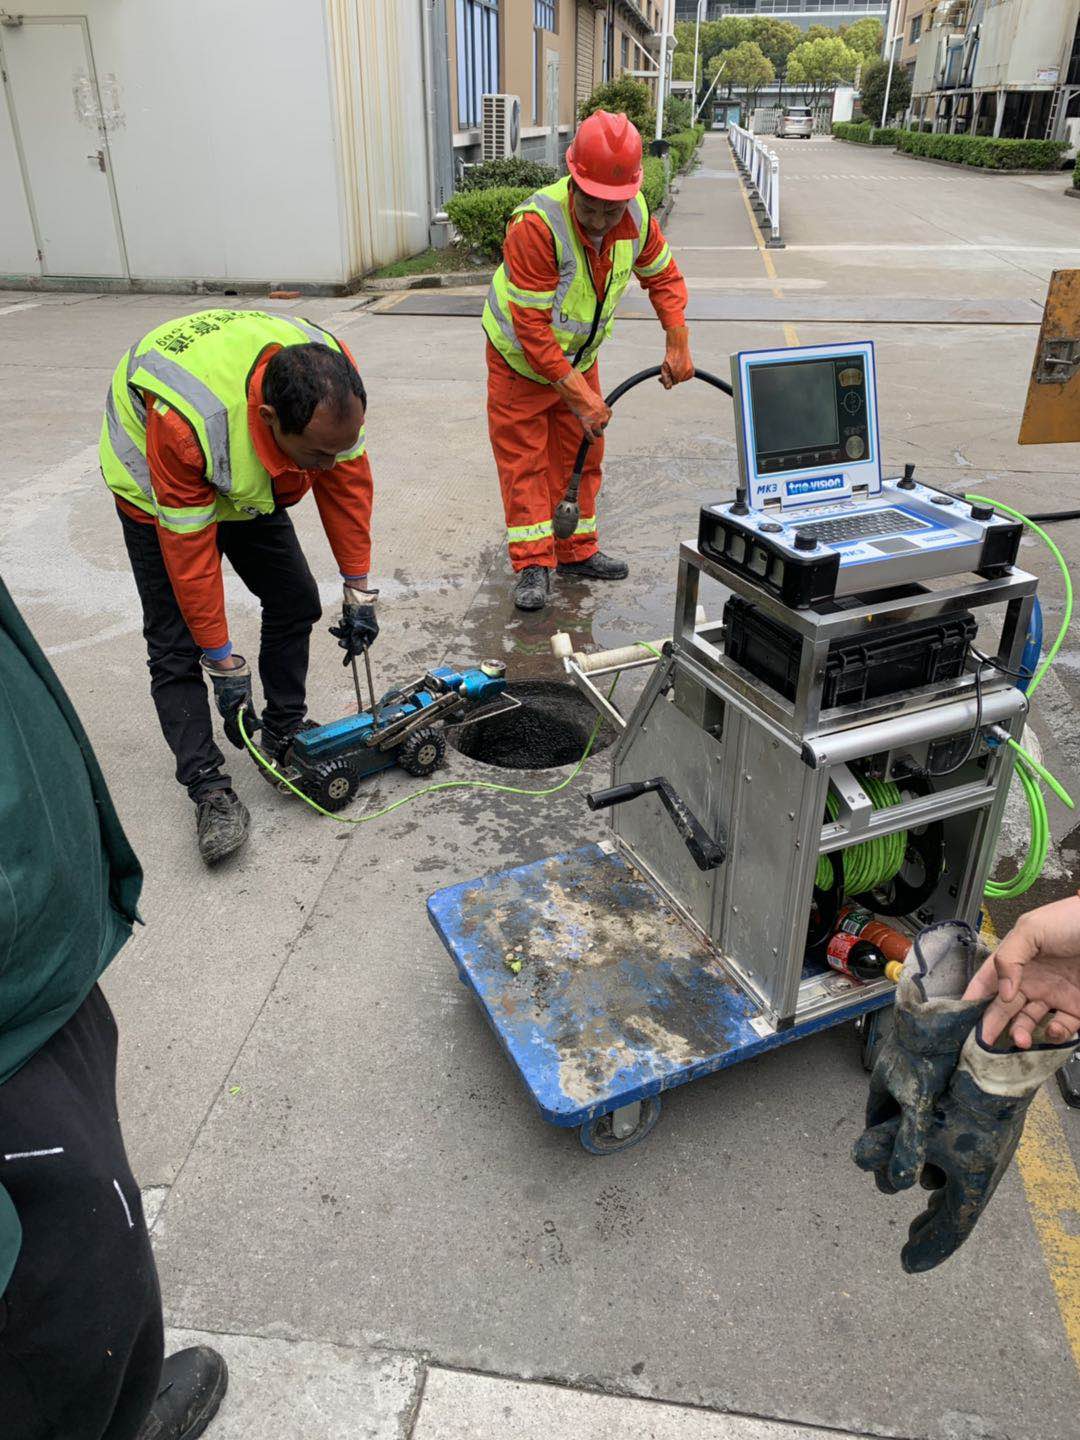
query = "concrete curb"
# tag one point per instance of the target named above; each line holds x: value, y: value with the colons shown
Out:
x: 955, y: 164
x: 1073, y: 191
x: 431, y: 280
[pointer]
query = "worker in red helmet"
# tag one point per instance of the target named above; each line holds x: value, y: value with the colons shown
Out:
x: 568, y: 255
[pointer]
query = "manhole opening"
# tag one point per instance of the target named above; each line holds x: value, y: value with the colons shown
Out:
x: 550, y: 728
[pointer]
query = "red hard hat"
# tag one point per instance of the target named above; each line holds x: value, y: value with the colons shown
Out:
x: 605, y: 157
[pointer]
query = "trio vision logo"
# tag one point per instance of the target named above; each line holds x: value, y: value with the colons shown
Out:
x: 815, y: 486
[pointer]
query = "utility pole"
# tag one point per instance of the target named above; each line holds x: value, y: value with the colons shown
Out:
x: 890, y: 40
x: 697, y: 34
x: 662, y: 64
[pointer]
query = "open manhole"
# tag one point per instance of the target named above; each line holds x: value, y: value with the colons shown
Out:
x: 551, y: 727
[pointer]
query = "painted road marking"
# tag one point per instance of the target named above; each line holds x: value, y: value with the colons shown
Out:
x: 1052, y: 1187
x: 790, y: 334
x: 22, y: 305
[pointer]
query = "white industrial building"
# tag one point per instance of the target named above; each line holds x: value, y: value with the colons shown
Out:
x: 999, y: 67
x: 201, y: 144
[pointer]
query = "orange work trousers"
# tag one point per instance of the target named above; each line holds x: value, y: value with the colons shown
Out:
x: 535, y: 437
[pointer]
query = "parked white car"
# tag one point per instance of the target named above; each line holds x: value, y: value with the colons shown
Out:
x: 796, y: 122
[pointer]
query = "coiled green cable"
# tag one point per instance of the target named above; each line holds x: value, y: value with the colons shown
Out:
x: 871, y: 863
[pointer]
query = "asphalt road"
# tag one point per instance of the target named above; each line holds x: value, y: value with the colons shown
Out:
x: 348, y: 1181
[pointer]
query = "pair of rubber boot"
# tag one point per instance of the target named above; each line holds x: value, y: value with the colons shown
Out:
x: 534, y: 582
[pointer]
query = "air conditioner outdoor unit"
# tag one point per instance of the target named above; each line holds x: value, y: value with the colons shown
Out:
x: 500, y: 130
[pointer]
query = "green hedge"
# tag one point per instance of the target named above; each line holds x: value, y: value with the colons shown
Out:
x: 1076, y: 174
x: 983, y: 150
x: 654, y: 183
x: 683, y: 144
x: 859, y: 134
x: 512, y: 171
x: 863, y: 133
x: 481, y: 215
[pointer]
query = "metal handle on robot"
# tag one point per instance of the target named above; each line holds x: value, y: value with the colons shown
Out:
x: 707, y: 852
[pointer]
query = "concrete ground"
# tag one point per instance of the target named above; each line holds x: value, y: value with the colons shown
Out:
x: 352, y: 1196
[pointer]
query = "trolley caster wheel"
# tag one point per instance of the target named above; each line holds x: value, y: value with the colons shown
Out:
x: 873, y: 1030
x: 621, y: 1128
x: 422, y: 753
x: 333, y: 784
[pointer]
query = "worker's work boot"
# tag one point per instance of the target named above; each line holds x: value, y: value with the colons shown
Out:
x: 597, y: 567
x: 531, y: 590
x: 222, y: 823
x: 191, y: 1388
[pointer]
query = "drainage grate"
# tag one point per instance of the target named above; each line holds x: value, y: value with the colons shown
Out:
x: 550, y: 728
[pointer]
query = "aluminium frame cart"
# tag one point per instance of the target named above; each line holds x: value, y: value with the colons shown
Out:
x: 613, y: 973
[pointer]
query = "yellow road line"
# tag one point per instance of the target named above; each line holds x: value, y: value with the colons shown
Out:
x: 1052, y: 1187
x: 790, y: 334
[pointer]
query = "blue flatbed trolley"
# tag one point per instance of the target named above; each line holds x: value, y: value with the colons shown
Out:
x: 615, y: 1000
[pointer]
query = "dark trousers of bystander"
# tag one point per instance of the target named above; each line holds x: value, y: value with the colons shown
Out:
x: 80, y: 1321
x: 265, y: 552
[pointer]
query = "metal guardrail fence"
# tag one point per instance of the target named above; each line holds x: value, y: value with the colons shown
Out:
x: 761, y: 168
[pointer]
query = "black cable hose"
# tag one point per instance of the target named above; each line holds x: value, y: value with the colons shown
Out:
x: 617, y: 393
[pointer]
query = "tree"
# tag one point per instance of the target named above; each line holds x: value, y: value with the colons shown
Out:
x: 817, y: 66
x: 746, y: 68
x: 819, y: 32
x: 776, y: 38
x: 874, y: 77
x: 866, y: 36
x: 625, y: 96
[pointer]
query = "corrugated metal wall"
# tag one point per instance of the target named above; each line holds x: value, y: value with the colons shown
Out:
x: 376, y: 62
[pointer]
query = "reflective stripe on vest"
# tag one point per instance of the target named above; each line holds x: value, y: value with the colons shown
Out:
x: 198, y: 365
x: 580, y: 320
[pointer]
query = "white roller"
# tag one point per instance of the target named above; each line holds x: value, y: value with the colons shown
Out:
x: 622, y: 655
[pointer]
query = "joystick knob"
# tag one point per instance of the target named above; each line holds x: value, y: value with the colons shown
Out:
x: 804, y: 540
x: 982, y: 512
x: 740, y: 507
x: 908, y: 482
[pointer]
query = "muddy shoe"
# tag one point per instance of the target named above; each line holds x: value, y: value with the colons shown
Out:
x: 531, y: 590
x: 191, y: 1388
x: 596, y: 567
x: 221, y: 823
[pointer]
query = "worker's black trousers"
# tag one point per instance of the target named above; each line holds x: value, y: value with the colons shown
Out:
x: 80, y: 1321
x: 266, y: 554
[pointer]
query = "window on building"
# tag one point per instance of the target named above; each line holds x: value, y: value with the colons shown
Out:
x: 626, y: 52
x: 545, y: 17
x: 477, y: 57
x: 916, y: 29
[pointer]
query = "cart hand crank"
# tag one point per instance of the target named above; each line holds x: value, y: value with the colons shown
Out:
x: 707, y: 853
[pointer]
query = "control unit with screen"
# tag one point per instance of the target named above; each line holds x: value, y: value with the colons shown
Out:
x: 813, y: 519
x: 808, y: 428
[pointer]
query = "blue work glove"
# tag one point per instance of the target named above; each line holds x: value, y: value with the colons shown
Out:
x: 975, y: 1130
x: 232, y: 692
x: 358, y: 627
x: 917, y: 1059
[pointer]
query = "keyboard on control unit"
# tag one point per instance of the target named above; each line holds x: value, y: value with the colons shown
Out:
x: 861, y: 526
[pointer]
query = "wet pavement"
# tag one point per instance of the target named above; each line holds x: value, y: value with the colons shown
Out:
x: 351, y: 1180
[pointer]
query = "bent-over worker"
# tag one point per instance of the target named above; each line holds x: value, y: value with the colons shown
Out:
x: 568, y: 255
x: 215, y: 424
